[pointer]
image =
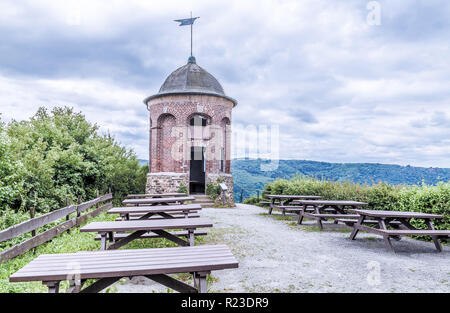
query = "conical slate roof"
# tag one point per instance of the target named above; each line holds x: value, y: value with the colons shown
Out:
x: 191, y: 79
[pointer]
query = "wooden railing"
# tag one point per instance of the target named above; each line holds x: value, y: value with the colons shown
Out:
x: 37, y: 222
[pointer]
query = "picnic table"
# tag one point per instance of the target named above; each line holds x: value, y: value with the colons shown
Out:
x: 157, y: 201
x: 286, y: 199
x: 156, y: 195
x: 385, y: 219
x: 322, y: 210
x: 107, y: 267
x: 165, y: 211
x: 140, y: 228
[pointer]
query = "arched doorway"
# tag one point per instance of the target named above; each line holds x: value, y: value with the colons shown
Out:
x: 197, y: 170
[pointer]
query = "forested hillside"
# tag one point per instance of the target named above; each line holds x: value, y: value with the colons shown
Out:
x: 249, y: 177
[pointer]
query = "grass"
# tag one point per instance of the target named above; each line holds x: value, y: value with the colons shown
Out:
x: 74, y: 241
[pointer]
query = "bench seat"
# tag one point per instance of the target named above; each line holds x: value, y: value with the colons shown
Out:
x: 416, y: 232
x: 157, y: 217
x: 181, y: 233
x: 334, y: 215
x: 350, y: 221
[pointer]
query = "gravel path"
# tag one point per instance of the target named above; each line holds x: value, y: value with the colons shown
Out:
x: 277, y: 255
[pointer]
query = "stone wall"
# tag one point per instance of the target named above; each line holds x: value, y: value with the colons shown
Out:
x: 166, y: 182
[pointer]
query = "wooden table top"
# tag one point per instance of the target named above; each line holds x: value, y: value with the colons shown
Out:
x: 397, y: 214
x: 158, y: 200
x: 124, y: 263
x: 293, y: 197
x: 155, y: 209
x: 135, y: 225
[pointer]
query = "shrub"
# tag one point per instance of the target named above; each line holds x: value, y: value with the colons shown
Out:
x: 381, y: 196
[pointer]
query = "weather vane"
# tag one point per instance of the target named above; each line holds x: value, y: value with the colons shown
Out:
x: 188, y: 21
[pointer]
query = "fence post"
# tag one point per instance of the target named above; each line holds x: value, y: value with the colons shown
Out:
x: 242, y: 195
x: 33, y: 232
x: 258, y: 195
x: 68, y: 215
x: 98, y: 194
x: 79, y: 202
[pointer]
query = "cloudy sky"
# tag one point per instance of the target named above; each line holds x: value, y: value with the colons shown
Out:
x: 339, y: 87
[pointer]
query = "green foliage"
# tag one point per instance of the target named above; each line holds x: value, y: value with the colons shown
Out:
x: 57, y: 155
x: 380, y: 196
x: 213, y: 190
x: 182, y: 189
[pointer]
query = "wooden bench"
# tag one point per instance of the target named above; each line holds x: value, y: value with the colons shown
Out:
x: 352, y: 221
x: 157, y: 201
x: 323, y: 210
x: 385, y: 219
x: 165, y: 211
x: 286, y: 199
x: 141, y: 227
x: 156, y: 195
x: 155, y: 217
x: 180, y: 233
x: 110, y: 266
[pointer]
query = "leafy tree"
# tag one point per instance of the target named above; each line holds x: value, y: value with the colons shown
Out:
x: 61, y: 155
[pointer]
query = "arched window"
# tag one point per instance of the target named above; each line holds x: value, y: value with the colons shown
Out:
x: 198, y: 120
x: 198, y: 123
x: 165, y: 162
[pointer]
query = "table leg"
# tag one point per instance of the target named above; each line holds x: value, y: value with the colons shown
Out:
x: 387, y: 239
x: 319, y: 219
x: 272, y: 202
x: 356, y: 227
x: 191, y: 237
x: 202, y: 283
x: 435, y: 238
x: 300, y: 215
x: 111, y: 236
x: 103, y: 241
x: 53, y: 286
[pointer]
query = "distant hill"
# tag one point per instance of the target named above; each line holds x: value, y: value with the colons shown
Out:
x: 248, y: 175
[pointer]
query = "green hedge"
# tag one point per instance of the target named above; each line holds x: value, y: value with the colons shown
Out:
x: 382, y: 196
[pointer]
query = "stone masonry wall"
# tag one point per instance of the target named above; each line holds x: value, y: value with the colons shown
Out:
x: 166, y: 182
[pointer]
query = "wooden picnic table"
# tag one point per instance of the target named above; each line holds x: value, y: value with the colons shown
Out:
x: 323, y: 210
x: 156, y: 195
x: 157, y: 201
x: 385, y: 219
x: 165, y: 211
x: 286, y: 199
x: 107, y: 267
x: 139, y: 228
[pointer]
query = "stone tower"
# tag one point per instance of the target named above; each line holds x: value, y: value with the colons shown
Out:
x: 190, y: 133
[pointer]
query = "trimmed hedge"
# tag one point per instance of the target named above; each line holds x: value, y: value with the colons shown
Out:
x: 382, y: 196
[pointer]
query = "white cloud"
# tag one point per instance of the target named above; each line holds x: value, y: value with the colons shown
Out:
x: 341, y: 90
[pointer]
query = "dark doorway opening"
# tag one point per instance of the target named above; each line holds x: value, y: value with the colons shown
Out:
x: 197, y: 171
